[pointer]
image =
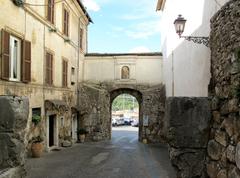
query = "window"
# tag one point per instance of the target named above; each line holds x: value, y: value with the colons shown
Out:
x: 65, y: 22
x: 36, y: 111
x: 73, y: 71
x: 49, y: 69
x: 16, y: 58
x: 50, y: 10
x: 125, y: 72
x: 64, y: 73
x: 81, y: 38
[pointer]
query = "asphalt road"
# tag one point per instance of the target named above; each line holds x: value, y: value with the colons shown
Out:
x: 122, y: 157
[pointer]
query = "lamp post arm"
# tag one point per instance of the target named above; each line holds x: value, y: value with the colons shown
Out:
x: 197, y: 39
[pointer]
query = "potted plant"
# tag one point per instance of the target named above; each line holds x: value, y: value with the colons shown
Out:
x: 36, y: 119
x: 82, y: 134
x: 37, y: 147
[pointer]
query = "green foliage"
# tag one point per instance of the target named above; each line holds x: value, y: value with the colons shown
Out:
x: 124, y: 102
x: 36, y: 119
x: 81, y: 131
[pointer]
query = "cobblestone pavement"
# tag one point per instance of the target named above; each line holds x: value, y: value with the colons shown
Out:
x: 122, y: 157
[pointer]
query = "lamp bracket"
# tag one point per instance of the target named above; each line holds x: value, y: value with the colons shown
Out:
x: 197, y: 39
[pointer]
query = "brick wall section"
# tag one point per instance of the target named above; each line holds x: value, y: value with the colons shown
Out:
x: 224, y: 145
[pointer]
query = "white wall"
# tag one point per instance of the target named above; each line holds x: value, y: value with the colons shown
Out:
x: 186, y: 66
x: 143, y: 69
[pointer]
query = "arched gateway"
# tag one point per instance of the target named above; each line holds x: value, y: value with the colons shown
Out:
x: 135, y: 93
x: 99, y: 88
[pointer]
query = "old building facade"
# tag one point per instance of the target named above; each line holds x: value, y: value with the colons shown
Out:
x: 43, y: 45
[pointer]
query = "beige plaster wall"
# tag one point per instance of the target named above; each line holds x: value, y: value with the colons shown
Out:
x: 143, y: 69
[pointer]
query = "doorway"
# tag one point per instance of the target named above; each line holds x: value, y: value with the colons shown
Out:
x: 74, y: 127
x: 51, y: 130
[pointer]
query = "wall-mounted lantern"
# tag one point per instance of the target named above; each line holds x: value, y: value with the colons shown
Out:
x: 179, y: 24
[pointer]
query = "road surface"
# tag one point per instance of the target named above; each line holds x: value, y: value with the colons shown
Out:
x: 122, y: 157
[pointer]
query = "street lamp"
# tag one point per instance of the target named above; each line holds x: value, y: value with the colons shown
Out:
x: 179, y: 24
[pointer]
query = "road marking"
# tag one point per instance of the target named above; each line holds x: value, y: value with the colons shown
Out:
x: 99, y: 158
x: 118, y: 139
x: 133, y: 140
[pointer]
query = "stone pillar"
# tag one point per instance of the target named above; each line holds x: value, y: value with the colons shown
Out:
x: 13, y: 122
x: 187, y: 123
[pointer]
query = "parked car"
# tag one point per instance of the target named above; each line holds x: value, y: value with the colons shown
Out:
x: 120, y: 121
x: 114, y: 121
x: 135, y: 123
x: 127, y: 121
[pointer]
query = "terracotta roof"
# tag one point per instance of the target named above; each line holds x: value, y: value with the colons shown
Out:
x: 84, y: 10
x: 123, y: 54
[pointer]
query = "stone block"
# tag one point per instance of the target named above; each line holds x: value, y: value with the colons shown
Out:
x: 237, y: 155
x: 231, y: 153
x: 189, y: 162
x: 212, y: 169
x: 187, y: 120
x: 214, y: 150
x: 14, y: 113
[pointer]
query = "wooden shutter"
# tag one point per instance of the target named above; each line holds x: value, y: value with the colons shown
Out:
x: 64, y: 73
x: 81, y: 38
x: 49, y: 69
x: 26, y: 61
x: 5, y: 62
x: 50, y: 11
x: 65, y: 22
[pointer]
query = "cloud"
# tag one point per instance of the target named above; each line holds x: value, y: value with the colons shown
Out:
x: 143, y: 30
x: 91, y: 5
x: 139, y: 49
x: 141, y: 10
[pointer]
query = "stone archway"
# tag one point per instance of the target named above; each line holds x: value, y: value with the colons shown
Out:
x: 135, y: 93
x: 95, y: 108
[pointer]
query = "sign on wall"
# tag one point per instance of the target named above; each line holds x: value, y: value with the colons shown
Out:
x: 145, y: 120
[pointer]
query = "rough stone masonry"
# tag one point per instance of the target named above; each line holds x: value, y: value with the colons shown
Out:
x: 224, y: 145
x: 13, y: 122
x: 187, y: 121
x: 95, y: 107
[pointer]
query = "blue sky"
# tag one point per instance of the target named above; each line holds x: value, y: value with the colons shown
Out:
x: 123, y: 26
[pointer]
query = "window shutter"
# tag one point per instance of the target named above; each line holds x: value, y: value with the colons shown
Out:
x: 26, y: 62
x: 52, y: 10
x: 49, y: 11
x: 66, y: 71
x: 81, y: 38
x: 5, y: 63
x: 47, y: 79
x: 51, y: 69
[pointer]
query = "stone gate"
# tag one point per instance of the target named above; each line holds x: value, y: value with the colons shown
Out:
x: 95, y: 102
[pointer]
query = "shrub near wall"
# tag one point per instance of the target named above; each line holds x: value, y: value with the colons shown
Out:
x: 224, y: 145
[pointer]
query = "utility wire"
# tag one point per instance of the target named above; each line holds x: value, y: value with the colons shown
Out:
x: 29, y: 4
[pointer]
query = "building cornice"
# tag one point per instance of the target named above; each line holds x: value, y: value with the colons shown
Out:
x: 160, y: 5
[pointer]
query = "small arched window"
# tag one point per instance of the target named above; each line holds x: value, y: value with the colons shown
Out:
x: 125, y: 72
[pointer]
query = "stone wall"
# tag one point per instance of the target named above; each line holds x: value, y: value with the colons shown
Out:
x: 13, y: 123
x: 224, y: 145
x: 187, y: 123
x: 95, y: 109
